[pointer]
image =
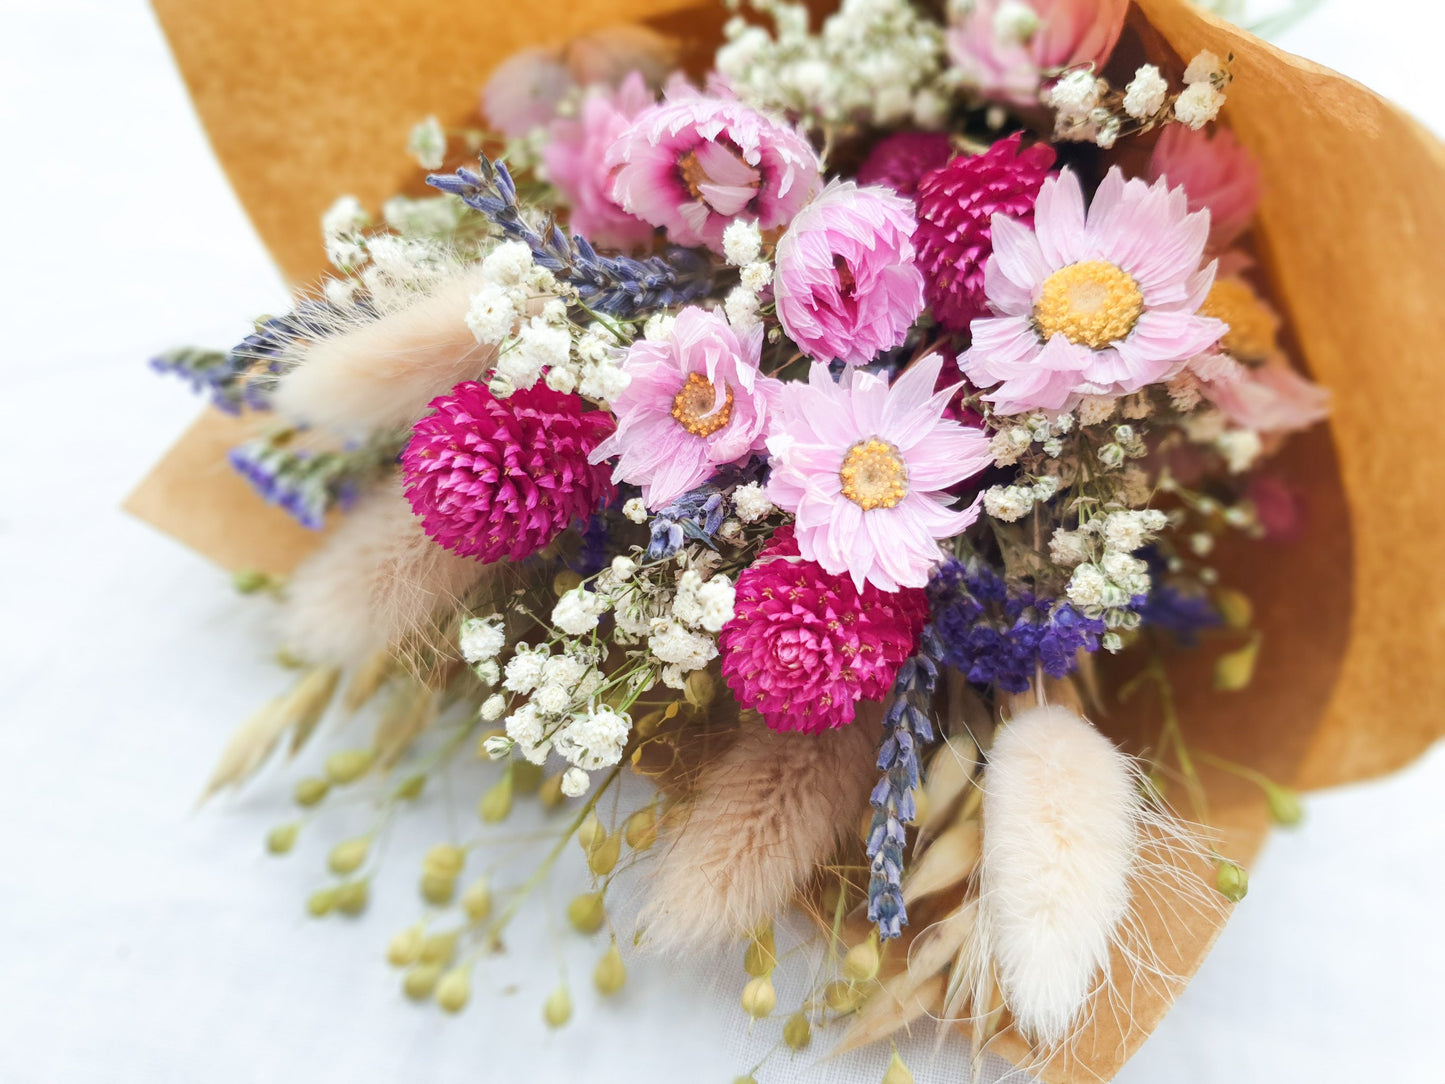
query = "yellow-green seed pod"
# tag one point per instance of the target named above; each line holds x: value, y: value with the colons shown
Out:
x: 348, y: 765
x: 1235, y: 670
x: 526, y: 776
x: 404, y: 948
x: 445, y: 859
x: 640, y: 830
x: 1232, y: 881
x: 587, y: 912
x: 762, y: 953
x: 497, y: 802
x: 861, y: 962
x: 321, y: 902
x: 347, y: 856
x: 550, y: 794
x: 565, y: 581
x: 420, y: 981
x: 897, y: 1072
x: 282, y: 838
x: 410, y: 788
x: 602, y: 859
x: 438, y: 948
x: 749, y: 1079
x: 699, y: 689
x: 477, y: 900
x: 590, y: 832
x: 1284, y: 805
x: 438, y: 889
x: 455, y: 989
x: 842, y: 997
x: 798, y: 1031
x: 759, y: 997
x: 557, y: 1009
x: 351, y: 898
x: 610, y: 973
x: 311, y: 790
x: 1234, y: 606
x: 649, y: 724
x: 247, y: 581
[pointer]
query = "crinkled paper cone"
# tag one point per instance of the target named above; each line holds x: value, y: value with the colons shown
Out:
x: 304, y: 101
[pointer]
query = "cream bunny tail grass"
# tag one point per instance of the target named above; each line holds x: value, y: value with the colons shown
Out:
x: 378, y: 580
x: 763, y: 816
x: 380, y: 373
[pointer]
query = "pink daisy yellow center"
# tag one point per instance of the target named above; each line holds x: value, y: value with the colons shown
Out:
x: 1091, y: 303
x: 693, y: 406
x: 874, y: 475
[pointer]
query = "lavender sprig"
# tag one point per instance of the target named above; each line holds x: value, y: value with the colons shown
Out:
x: 307, y: 484
x: 906, y: 727
x: 618, y: 286
x: 696, y: 515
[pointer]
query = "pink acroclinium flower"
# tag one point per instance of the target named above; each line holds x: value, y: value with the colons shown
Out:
x: 1218, y: 174
x: 1098, y: 304
x: 524, y: 91
x: 694, y: 163
x: 865, y: 469
x: 575, y: 157
x: 696, y: 402
x: 994, y: 49
x: 846, y: 284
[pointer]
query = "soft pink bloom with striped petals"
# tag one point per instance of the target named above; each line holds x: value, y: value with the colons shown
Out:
x: 692, y: 164
x: 1098, y: 303
x: 846, y: 285
x: 1218, y: 174
x: 865, y: 469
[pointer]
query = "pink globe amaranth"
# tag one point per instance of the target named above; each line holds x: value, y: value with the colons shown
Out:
x: 1069, y: 33
x: 846, y: 286
x: 575, y: 157
x: 501, y: 478
x: 804, y: 646
x: 956, y: 204
x: 694, y: 163
x: 1218, y: 173
x: 899, y: 161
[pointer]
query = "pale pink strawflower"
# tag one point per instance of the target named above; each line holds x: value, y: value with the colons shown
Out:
x: 1007, y: 48
x: 525, y: 90
x: 865, y: 469
x: 1218, y: 174
x: 846, y: 286
x: 575, y: 157
x: 1098, y: 304
x: 694, y: 163
x: 695, y: 402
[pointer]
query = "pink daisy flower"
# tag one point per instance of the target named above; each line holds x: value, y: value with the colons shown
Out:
x: 575, y: 155
x: 696, y: 401
x: 1218, y: 173
x: 865, y: 469
x: 693, y: 164
x: 1102, y: 304
x: 804, y: 646
x: 846, y: 286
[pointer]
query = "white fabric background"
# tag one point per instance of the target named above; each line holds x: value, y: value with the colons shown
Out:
x: 143, y: 942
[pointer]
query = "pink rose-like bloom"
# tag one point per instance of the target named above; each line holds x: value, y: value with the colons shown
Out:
x: 1098, y: 305
x: 899, y: 161
x: 501, y: 478
x: 1218, y: 174
x: 575, y: 157
x: 525, y: 90
x: 992, y: 58
x: 693, y: 164
x: 1269, y: 398
x: 865, y: 469
x: 696, y: 402
x: 956, y: 205
x: 804, y: 646
x: 845, y: 285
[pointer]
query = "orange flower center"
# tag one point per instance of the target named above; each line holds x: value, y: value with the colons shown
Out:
x: 874, y: 475
x: 1251, y: 334
x: 1092, y: 303
x: 692, y: 407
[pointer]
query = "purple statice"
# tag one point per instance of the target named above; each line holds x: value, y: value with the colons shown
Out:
x: 906, y: 727
x: 306, y: 484
x: 1182, y: 614
x: 618, y: 286
x: 1001, y: 636
x: 696, y: 515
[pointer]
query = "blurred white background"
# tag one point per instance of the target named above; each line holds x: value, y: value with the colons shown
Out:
x: 142, y: 941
